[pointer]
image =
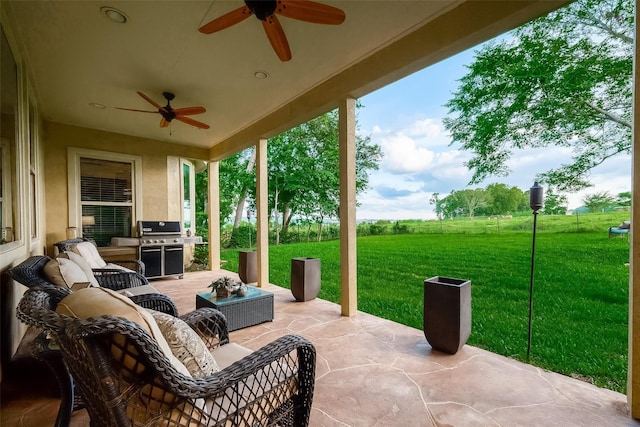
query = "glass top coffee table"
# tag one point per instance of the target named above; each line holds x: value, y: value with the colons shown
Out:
x: 254, y: 308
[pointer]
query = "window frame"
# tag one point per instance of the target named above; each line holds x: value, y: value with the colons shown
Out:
x: 13, y: 208
x: 74, y: 155
x: 192, y: 196
x: 34, y: 161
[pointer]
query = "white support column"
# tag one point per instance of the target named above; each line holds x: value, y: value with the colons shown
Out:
x: 348, y: 264
x: 633, y: 383
x: 262, y: 215
x: 213, y: 210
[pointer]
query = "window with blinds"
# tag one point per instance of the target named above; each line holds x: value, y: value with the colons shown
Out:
x: 106, y: 197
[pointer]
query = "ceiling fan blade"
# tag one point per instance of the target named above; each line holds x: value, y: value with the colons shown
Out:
x: 225, y: 21
x: 151, y: 101
x: 139, y: 111
x: 276, y: 36
x: 189, y: 111
x: 164, y: 123
x: 310, y: 11
x: 192, y: 122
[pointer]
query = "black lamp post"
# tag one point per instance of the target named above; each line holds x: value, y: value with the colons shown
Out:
x: 535, y: 202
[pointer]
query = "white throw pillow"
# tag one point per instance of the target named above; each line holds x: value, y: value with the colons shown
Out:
x: 90, y: 253
x: 71, y: 272
x: 84, y: 265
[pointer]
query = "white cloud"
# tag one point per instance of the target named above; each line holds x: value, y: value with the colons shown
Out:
x: 403, y: 155
x: 418, y: 159
x: 428, y: 128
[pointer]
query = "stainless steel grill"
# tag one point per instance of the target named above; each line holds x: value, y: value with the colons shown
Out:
x: 161, y: 248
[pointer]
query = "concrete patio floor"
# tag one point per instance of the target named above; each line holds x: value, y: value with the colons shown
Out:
x: 374, y: 372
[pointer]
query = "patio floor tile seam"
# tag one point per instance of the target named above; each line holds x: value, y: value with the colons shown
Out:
x: 299, y: 317
x: 331, y: 417
x: 542, y: 374
x: 419, y: 388
x: 348, y: 368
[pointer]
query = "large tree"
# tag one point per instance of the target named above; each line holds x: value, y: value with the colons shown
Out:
x: 503, y: 199
x: 303, y: 170
x: 598, y: 202
x: 464, y: 202
x: 554, y: 203
x: 562, y: 80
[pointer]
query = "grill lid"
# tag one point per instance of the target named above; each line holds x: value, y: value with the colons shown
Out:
x: 155, y: 228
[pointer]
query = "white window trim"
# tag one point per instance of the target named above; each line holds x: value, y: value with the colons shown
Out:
x: 6, y: 197
x: 192, y: 194
x: 73, y: 181
x: 34, y: 167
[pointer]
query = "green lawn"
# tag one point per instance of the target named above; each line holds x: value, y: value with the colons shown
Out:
x: 580, y: 290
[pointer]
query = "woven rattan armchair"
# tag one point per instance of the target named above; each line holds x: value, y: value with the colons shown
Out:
x: 31, y: 274
x: 131, y: 264
x: 126, y: 380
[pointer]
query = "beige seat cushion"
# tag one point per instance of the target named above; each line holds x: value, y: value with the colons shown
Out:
x: 94, y: 302
x: 89, y: 252
x: 65, y: 273
x: 186, y: 345
x: 141, y: 290
x: 227, y: 354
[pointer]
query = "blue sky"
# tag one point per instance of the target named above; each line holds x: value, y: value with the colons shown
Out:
x: 405, y: 119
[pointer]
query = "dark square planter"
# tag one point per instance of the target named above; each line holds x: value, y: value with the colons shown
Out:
x: 447, y: 313
x: 305, y: 278
x: 248, y: 266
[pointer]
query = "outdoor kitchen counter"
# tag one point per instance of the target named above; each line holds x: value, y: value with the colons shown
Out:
x: 109, y: 253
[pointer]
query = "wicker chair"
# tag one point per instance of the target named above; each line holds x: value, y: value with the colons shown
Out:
x: 31, y: 274
x: 131, y: 264
x: 270, y: 387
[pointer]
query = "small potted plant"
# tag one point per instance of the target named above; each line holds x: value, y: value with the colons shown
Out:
x: 223, y: 286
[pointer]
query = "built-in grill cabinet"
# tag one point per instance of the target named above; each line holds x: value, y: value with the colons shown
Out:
x: 161, y: 248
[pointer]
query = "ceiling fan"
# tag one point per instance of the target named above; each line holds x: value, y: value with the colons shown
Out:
x: 266, y: 11
x: 168, y: 113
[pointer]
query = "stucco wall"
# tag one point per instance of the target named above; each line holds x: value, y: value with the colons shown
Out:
x: 158, y: 171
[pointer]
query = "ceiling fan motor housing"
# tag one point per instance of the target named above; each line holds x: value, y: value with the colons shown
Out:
x: 262, y: 8
x: 167, y: 112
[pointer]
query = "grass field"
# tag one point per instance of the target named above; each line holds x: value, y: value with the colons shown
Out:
x: 580, y: 288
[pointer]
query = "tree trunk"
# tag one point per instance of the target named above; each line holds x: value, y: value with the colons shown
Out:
x: 240, y: 208
x: 320, y: 229
x: 244, y: 192
x: 286, y: 218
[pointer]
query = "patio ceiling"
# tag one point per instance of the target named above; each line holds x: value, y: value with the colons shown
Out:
x: 78, y: 57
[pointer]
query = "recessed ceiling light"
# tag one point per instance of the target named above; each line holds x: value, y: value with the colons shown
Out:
x: 261, y: 74
x: 96, y: 105
x: 114, y: 14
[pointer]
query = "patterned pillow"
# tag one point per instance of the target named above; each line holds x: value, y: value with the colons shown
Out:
x: 93, y: 302
x: 186, y: 345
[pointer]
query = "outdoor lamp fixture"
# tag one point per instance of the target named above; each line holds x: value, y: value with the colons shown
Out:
x: 535, y: 202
